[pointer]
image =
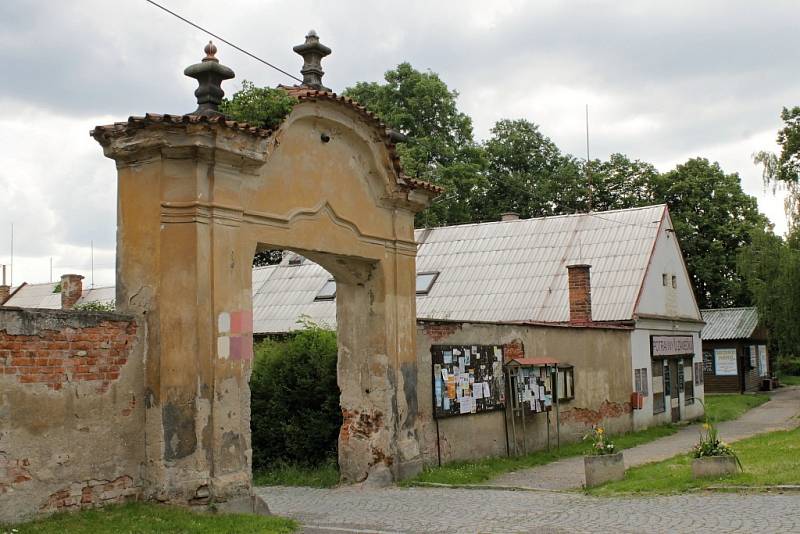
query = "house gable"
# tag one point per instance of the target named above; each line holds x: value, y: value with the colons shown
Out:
x: 666, y: 289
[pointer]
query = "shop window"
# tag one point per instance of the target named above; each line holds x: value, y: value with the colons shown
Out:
x: 328, y: 291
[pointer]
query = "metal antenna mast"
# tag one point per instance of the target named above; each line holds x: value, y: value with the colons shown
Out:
x: 588, y: 169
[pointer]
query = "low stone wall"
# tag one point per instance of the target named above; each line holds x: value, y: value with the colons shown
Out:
x: 71, y: 411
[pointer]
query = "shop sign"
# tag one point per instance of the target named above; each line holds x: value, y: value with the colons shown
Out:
x: 671, y: 345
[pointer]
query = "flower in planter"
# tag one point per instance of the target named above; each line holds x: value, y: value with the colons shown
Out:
x: 600, y: 443
x: 711, y: 445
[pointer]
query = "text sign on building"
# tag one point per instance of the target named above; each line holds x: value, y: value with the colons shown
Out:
x: 725, y: 362
x: 671, y: 345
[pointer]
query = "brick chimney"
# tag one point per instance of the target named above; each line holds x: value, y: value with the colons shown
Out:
x: 509, y: 216
x: 5, y: 289
x: 71, y: 290
x: 580, y: 294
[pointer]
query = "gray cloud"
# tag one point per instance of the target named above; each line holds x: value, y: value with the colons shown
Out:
x: 664, y: 81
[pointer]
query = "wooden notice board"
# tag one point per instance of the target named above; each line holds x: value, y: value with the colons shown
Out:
x: 467, y: 379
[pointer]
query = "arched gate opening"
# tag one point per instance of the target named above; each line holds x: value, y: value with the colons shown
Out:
x: 198, y: 196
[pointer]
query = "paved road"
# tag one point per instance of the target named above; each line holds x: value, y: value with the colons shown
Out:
x: 780, y: 413
x: 418, y: 510
x: 424, y: 510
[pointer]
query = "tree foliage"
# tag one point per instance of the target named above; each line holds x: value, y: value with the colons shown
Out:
x: 440, y: 147
x: 258, y: 106
x: 784, y: 169
x: 295, y: 398
x: 771, y: 270
x: 620, y: 183
x: 528, y: 174
x: 713, y: 219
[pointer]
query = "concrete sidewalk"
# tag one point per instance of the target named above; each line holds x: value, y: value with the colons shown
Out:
x: 779, y: 413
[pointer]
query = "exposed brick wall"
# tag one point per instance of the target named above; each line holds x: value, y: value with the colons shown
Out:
x: 439, y: 331
x: 13, y: 472
x: 92, y: 493
x: 580, y: 294
x: 56, y: 357
x: 513, y: 350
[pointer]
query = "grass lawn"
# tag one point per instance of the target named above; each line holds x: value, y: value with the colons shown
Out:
x: 790, y: 380
x: 325, y: 475
x: 768, y: 459
x: 475, y: 472
x: 726, y: 407
x: 138, y: 518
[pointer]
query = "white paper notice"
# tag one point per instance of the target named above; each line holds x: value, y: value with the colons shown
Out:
x: 487, y: 393
x: 477, y: 390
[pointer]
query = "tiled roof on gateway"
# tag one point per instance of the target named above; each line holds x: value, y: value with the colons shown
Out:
x: 507, y: 271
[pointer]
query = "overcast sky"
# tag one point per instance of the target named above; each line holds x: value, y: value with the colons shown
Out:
x: 664, y: 82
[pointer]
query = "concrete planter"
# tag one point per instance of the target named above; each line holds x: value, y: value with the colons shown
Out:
x: 603, y: 468
x: 713, y: 466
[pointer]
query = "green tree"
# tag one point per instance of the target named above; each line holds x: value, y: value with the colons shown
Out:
x: 528, y: 174
x: 784, y: 169
x: 439, y: 145
x: 770, y: 267
x: 713, y: 219
x: 620, y: 183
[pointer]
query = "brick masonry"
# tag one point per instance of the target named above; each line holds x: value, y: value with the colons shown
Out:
x: 72, y: 404
x: 580, y: 294
x: 54, y: 357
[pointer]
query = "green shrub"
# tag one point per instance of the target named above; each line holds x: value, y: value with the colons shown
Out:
x: 96, y: 306
x: 295, y: 414
x: 788, y: 365
x: 258, y: 106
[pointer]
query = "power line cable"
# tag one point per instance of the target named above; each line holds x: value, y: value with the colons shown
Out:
x: 215, y: 36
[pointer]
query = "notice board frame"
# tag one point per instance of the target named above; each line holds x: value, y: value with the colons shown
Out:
x: 487, y: 367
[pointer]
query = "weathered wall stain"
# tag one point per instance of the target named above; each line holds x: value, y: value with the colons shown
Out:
x: 180, y: 439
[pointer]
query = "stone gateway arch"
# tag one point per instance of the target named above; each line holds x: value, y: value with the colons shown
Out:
x: 198, y: 196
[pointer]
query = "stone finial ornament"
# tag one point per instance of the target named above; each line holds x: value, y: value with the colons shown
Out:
x: 312, y: 52
x: 210, y: 74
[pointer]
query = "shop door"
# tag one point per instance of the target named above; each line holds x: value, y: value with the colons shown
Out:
x: 675, y: 399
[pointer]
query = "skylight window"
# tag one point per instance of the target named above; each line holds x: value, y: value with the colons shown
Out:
x: 425, y: 282
x: 328, y: 291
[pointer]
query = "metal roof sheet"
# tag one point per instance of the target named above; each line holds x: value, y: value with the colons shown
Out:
x: 42, y: 296
x: 729, y: 323
x: 498, y: 271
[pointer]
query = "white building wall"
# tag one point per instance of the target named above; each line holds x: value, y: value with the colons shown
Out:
x: 640, y: 354
x: 658, y: 296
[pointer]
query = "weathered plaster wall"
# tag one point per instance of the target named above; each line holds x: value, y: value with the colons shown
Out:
x: 71, y: 411
x: 602, y: 363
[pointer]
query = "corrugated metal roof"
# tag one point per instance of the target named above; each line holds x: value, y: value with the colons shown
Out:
x: 42, y: 296
x: 498, y: 271
x: 729, y: 323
